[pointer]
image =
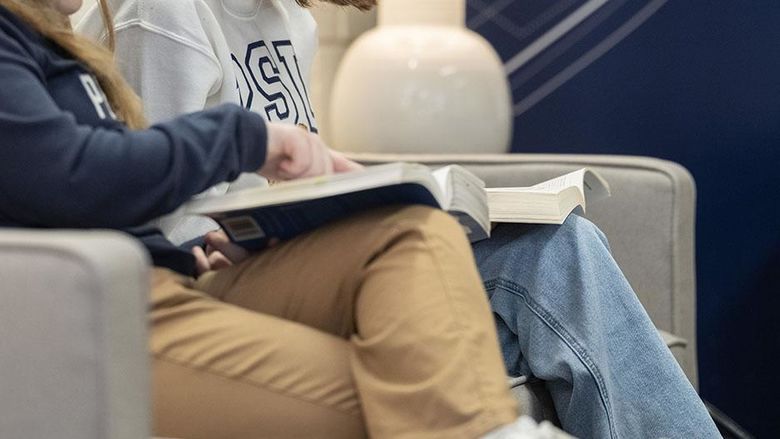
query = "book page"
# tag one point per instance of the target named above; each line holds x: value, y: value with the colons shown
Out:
x: 316, y: 187
x: 442, y: 177
x: 588, y: 183
x: 466, y: 199
x: 575, y: 179
x: 594, y: 186
x: 549, y: 202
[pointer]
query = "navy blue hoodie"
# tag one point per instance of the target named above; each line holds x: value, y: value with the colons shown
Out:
x: 67, y: 163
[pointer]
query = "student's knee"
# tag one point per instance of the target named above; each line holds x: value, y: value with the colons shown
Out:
x: 579, y: 234
x: 578, y: 229
x: 520, y: 250
x: 575, y: 233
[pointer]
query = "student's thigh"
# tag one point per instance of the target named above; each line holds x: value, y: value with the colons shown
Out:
x: 400, y: 284
x: 321, y: 278
x: 221, y: 371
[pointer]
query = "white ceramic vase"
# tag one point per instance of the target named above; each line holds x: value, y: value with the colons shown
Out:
x: 421, y: 82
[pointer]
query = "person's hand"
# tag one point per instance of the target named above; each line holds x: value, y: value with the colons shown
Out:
x: 293, y: 153
x: 220, y: 253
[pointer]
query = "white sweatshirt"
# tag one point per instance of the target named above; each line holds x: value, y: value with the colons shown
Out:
x: 182, y: 56
x: 186, y: 55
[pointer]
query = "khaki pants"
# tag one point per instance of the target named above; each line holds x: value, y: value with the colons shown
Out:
x: 376, y: 325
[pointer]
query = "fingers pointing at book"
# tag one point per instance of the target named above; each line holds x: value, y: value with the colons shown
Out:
x: 295, y: 153
x: 220, y: 253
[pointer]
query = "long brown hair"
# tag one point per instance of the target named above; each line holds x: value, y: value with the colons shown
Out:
x: 363, y: 5
x: 55, y: 27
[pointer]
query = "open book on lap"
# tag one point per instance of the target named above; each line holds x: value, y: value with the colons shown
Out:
x: 254, y: 217
x: 549, y: 202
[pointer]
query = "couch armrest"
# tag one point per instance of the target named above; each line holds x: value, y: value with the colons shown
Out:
x: 73, y: 344
x: 649, y: 221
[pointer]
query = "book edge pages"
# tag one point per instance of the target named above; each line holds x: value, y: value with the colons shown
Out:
x: 588, y: 185
x: 468, y: 198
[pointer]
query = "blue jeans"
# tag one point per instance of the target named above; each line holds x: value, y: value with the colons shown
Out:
x: 566, y: 315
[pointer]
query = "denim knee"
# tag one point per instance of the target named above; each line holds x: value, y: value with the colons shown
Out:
x: 524, y: 248
x: 583, y: 229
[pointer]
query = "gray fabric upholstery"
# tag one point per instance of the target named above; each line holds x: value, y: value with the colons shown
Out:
x: 649, y: 221
x: 73, y: 341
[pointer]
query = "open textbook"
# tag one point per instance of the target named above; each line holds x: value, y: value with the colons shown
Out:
x: 253, y: 217
x: 549, y: 202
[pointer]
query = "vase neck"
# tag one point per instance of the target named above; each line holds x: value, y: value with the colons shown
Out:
x: 425, y: 12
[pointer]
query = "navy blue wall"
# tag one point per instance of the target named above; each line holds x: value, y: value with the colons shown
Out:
x: 697, y: 83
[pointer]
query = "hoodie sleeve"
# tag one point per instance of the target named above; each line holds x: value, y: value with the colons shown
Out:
x: 59, y: 173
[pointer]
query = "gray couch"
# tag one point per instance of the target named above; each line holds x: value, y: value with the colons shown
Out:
x: 73, y: 363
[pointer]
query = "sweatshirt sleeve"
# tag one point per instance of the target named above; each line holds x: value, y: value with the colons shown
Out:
x: 172, y: 74
x: 58, y: 173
